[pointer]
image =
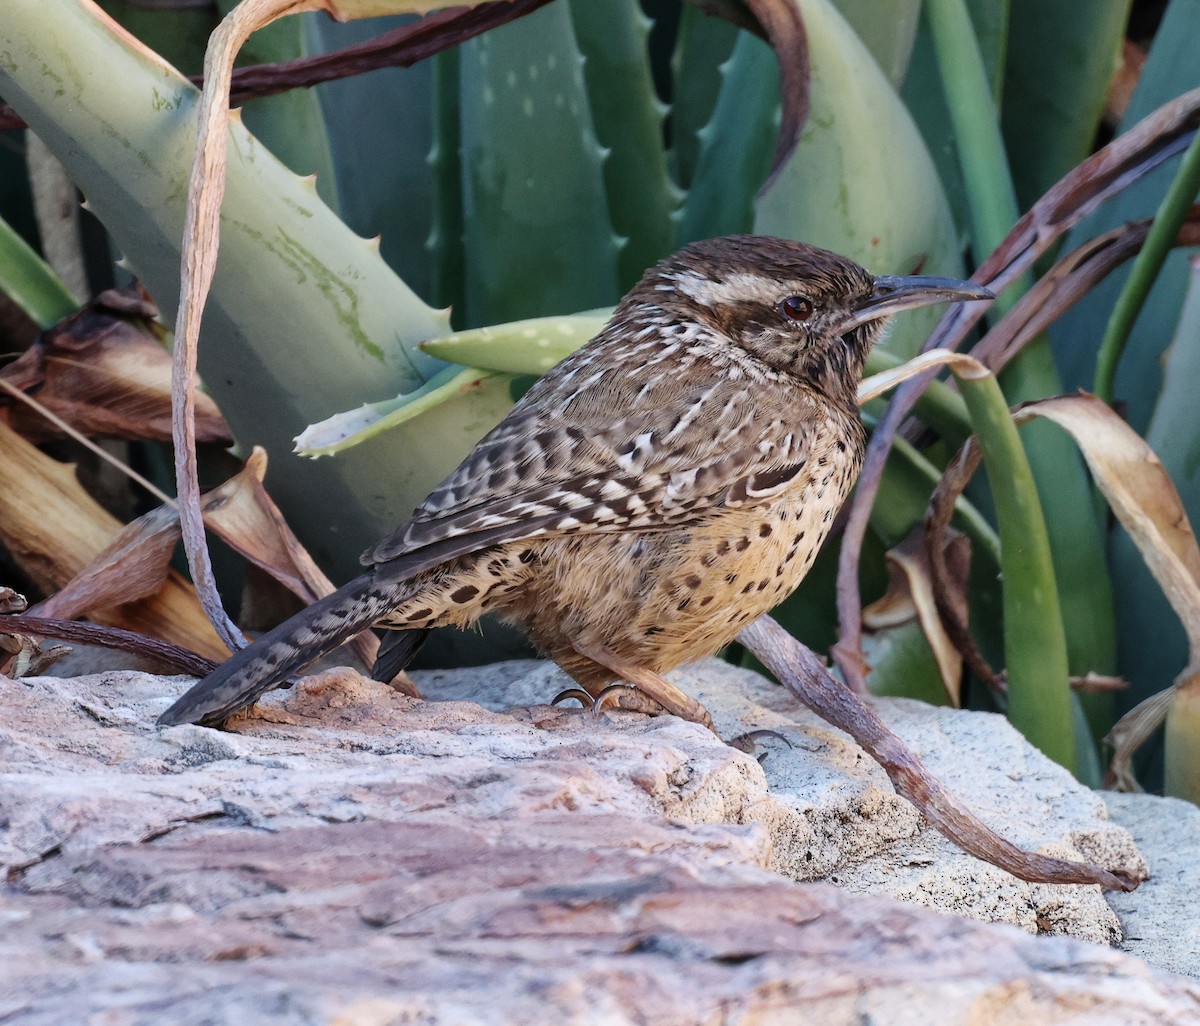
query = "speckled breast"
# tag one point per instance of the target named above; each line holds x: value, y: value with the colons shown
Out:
x: 669, y: 597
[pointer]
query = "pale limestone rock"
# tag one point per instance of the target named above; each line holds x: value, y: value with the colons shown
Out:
x: 832, y: 813
x: 1161, y: 919
x: 350, y: 855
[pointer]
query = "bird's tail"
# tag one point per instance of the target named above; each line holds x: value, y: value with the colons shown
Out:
x: 276, y: 655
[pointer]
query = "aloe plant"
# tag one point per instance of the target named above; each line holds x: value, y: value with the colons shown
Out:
x: 349, y: 323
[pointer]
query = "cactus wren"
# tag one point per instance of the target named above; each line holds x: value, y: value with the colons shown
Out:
x: 653, y: 494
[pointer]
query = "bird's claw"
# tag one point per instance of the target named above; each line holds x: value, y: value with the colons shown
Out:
x: 581, y: 696
x: 607, y: 695
x: 593, y: 704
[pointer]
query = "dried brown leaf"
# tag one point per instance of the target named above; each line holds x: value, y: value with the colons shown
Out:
x: 54, y: 529
x: 201, y: 238
x: 1181, y: 767
x: 244, y: 516
x: 22, y: 655
x: 911, y: 596
x: 12, y: 601
x: 1141, y: 494
x: 134, y: 565
x: 1129, y: 734
x: 784, y: 25
x: 847, y: 652
x: 106, y: 374
x: 1124, y: 81
x: 1068, y: 281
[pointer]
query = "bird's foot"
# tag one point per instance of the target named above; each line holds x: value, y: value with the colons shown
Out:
x: 649, y: 684
x: 620, y: 695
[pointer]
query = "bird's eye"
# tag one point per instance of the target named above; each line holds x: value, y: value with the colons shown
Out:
x: 796, y: 308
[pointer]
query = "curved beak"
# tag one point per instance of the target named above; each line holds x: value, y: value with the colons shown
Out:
x: 893, y: 293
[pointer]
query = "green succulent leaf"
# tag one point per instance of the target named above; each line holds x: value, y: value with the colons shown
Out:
x: 175, y: 33
x: 903, y: 664
x: 890, y: 215
x: 304, y: 318
x: 1035, y: 647
x: 925, y: 97
x: 345, y: 430
x: 530, y: 346
x: 702, y: 45
x: 735, y: 146
x: 629, y: 123
x: 538, y: 235
x: 888, y: 30
x: 1052, y: 107
x: 30, y: 282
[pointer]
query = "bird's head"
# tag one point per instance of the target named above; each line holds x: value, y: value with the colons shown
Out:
x: 798, y: 309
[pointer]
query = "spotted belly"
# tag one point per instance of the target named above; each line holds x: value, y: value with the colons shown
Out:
x: 661, y: 599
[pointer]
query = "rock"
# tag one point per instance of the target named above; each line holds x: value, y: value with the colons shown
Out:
x: 350, y: 855
x: 1159, y: 918
x: 832, y: 813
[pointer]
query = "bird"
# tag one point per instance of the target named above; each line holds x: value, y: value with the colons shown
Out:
x: 654, y: 493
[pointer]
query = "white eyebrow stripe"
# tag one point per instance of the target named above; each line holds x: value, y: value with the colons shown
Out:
x: 737, y: 287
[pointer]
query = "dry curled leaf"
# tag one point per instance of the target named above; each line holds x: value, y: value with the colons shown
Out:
x: 53, y: 529
x: 1124, y: 81
x: 105, y: 373
x: 22, y: 655
x: 784, y: 26
x: 1142, y: 495
x: 244, y: 516
x: 1129, y: 733
x: 911, y: 596
x: 133, y: 566
x: 12, y: 601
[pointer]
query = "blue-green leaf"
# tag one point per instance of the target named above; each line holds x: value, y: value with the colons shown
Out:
x: 539, y: 239
x: 1056, y: 79
x: 891, y: 214
x: 629, y: 123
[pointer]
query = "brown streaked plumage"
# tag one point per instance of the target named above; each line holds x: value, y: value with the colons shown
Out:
x: 653, y: 494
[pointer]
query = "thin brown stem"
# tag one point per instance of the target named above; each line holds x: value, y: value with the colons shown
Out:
x: 802, y: 673
x: 937, y: 520
x: 400, y: 48
x: 1128, y: 158
x: 175, y: 656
